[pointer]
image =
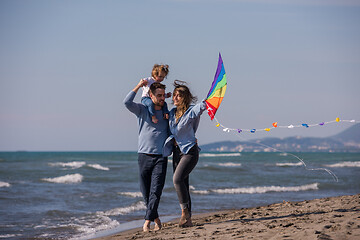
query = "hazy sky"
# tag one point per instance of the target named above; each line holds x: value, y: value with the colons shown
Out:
x: 66, y: 66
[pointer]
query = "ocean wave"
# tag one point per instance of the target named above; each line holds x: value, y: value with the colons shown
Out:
x: 288, y: 164
x: 4, y: 184
x: 230, y: 164
x: 93, y: 225
x: 125, y: 210
x: 344, y: 164
x: 10, y: 235
x: 72, y: 165
x: 99, y: 167
x: 219, y: 154
x: 131, y: 194
x: 201, y: 192
x: 70, y: 178
x: 264, y: 189
x: 76, y: 165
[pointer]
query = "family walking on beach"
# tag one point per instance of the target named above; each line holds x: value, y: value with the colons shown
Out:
x: 162, y: 132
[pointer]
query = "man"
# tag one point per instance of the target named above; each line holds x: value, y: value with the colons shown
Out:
x: 152, y: 136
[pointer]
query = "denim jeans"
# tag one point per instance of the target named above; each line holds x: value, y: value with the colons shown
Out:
x: 152, y: 172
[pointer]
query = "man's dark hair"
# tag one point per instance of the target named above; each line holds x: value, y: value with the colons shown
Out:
x: 155, y: 86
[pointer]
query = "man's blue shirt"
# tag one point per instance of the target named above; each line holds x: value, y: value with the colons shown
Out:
x: 152, y: 136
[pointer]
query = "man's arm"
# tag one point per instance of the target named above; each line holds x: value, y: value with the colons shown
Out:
x: 142, y: 83
x: 129, y: 99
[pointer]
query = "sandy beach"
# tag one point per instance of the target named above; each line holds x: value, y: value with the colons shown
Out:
x: 327, y: 218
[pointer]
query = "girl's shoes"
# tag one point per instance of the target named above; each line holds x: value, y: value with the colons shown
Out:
x: 154, y: 119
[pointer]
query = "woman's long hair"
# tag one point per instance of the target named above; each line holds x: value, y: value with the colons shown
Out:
x: 188, y: 98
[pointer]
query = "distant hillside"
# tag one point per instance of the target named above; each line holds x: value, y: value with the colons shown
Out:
x: 346, y: 141
x: 352, y: 134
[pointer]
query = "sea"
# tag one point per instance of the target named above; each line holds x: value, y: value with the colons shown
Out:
x: 83, y: 195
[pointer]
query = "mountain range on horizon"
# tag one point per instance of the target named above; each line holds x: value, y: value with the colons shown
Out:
x: 346, y: 141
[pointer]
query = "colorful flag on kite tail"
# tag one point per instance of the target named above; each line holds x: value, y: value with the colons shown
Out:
x: 217, y: 90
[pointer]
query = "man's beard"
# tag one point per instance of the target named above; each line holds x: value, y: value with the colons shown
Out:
x: 160, y: 104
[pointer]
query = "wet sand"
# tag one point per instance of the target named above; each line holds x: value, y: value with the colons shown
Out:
x: 327, y: 218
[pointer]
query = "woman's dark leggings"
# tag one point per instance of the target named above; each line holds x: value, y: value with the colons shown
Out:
x: 183, y: 164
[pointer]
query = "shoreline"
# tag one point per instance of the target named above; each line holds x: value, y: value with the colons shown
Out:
x: 325, y: 218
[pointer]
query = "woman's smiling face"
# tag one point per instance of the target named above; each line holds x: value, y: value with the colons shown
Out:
x: 177, y: 98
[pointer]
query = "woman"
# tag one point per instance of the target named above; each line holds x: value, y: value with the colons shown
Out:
x: 183, y: 121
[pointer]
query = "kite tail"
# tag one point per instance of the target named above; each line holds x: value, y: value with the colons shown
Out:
x: 310, y: 169
x: 333, y: 175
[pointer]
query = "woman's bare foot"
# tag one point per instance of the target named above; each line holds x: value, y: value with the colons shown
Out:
x: 185, y: 220
x: 154, y: 119
x: 146, y: 227
x: 158, y: 225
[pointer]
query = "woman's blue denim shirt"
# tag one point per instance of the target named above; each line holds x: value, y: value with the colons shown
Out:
x: 184, y: 130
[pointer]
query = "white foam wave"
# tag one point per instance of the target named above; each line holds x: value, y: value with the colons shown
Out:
x: 131, y: 194
x: 70, y: 178
x: 4, y: 184
x: 89, y: 227
x: 230, y: 164
x: 344, y: 164
x: 10, y: 235
x: 220, y: 154
x: 265, y: 189
x: 72, y: 165
x: 289, y: 164
x: 99, y: 167
x: 125, y: 210
x: 202, y: 192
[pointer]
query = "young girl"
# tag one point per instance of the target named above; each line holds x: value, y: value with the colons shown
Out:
x: 158, y: 74
x: 183, y: 122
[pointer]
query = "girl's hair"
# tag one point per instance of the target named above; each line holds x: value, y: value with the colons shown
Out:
x: 188, y: 98
x: 158, y: 69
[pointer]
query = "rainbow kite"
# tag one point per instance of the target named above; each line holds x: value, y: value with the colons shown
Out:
x: 216, y: 95
x: 217, y: 90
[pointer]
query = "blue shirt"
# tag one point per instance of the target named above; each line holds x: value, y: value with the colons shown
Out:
x: 152, y: 136
x: 184, y: 130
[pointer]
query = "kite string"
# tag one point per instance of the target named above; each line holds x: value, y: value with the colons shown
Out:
x: 333, y: 175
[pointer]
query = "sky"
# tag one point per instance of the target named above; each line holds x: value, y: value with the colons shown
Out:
x: 66, y: 66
